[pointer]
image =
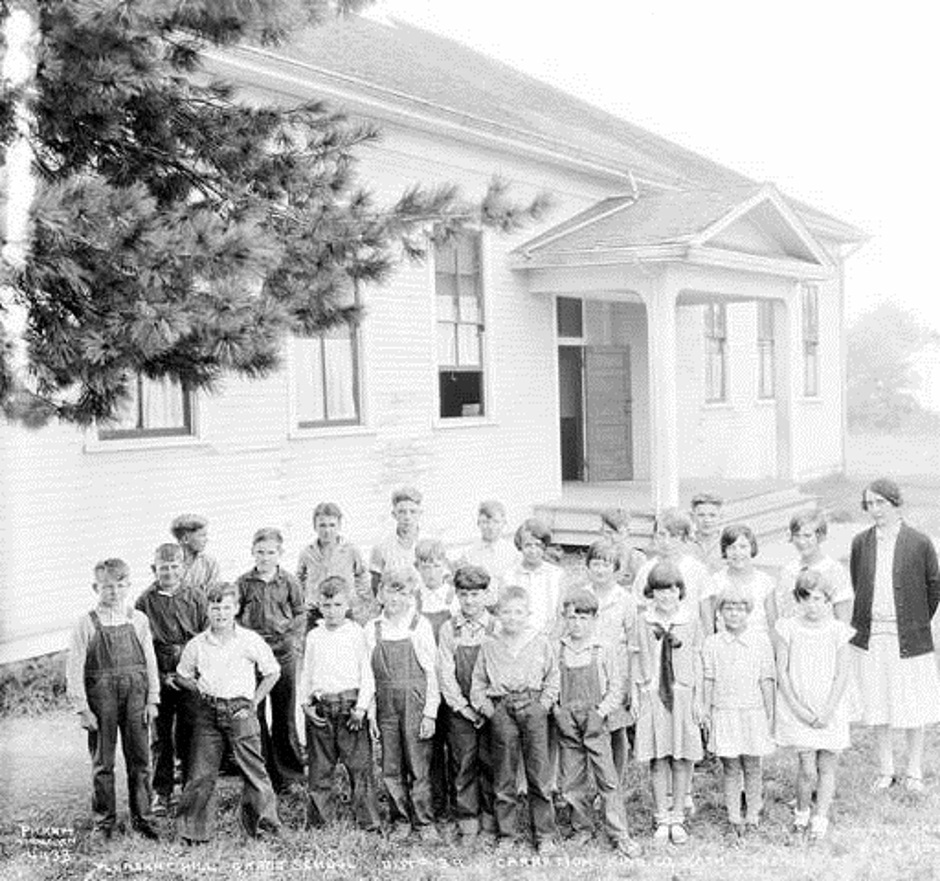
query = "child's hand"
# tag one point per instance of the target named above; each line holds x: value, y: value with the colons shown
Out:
x: 487, y: 708
x: 374, y: 728
x: 471, y: 715
x: 151, y: 712
x: 698, y: 712
x: 87, y: 720
x: 426, y: 729
x: 547, y: 704
x: 354, y: 722
x: 312, y: 712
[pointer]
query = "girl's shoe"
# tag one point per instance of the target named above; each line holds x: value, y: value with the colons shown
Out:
x: 818, y: 827
x: 677, y: 834
x: 800, y: 821
x: 662, y: 833
x: 914, y: 784
x: 883, y: 782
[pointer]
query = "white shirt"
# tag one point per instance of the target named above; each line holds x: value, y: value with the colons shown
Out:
x: 832, y: 570
x: 543, y: 585
x: 226, y: 668
x: 338, y: 660
x: 422, y: 639
x: 882, y: 602
x: 497, y: 559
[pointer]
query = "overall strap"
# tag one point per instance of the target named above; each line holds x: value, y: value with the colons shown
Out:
x: 95, y: 620
x: 414, y: 623
x: 378, y: 631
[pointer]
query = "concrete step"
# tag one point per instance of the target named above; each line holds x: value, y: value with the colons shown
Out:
x: 768, y: 514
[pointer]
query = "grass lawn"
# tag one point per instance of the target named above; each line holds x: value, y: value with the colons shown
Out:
x: 45, y: 788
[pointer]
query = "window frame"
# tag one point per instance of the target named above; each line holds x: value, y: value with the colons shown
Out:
x: 716, y: 346
x: 766, y: 351
x: 443, y: 368
x: 810, y: 323
x: 305, y: 425
x: 185, y: 431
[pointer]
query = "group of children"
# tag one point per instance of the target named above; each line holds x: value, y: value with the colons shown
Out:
x: 487, y: 684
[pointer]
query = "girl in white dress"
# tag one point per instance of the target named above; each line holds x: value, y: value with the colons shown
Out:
x: 738, y: 670
x: 812, y: 704
x: 739, y: 548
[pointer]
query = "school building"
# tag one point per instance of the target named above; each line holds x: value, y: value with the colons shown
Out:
x: 669, y: 326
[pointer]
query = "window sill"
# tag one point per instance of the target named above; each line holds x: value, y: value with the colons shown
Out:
x: 811, y: 399
x: 458, y: 422
x: 94, y: 444
x: 765, y: 402
x: 328, y: 431
x: 717, y: 405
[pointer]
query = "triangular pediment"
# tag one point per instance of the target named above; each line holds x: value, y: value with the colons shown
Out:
x: 764, y: 226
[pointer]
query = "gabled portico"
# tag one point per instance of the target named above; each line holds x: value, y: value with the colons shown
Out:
x: 663, y: 252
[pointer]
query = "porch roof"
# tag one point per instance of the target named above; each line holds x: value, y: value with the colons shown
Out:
x: 749, y: 223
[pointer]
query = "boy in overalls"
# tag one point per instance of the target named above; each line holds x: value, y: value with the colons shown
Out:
x: 468, y: 731
x: 404, y: 658
x: 115, y: 687
x: 592, y: 687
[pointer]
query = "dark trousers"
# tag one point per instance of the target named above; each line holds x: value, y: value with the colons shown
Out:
x: 118, y: 703
x: 519, y: 730
x: 587, y: 763
x: 442, y: 766
x: 335, y: 744
x: 279, y: 741
x: 215, y: 724
x: 473, y: 774
x: 172, y: 738
x: 406, y: 760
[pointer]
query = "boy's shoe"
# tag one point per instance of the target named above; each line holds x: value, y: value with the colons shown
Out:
x: 429, y: 834
x: 505, y: 843
x: 818, y: 827
x: 268, y: 829
x: 399, y: 831
x: 677, y: 833
x: 627, y: 847
x: 147, y: 829
x: 161, y: 805
x: 548, y: 847
x: 580, y: 839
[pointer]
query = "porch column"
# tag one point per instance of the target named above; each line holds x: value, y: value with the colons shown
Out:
x: 664, y: 430
x: 785, y: 347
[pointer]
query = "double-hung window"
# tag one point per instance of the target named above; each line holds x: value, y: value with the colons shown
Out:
x: 458, y: 287
x: 716, y: 352
x: 326, y: 378
x: 156, y: 408
x: 810, y: 341
x: 765, y: 349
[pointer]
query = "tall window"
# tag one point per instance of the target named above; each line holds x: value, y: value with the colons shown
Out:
x: 810, y: 341
x: 326, y: 378
x: 765, y: 349
x: 716, y: 352
x: 459, y: 297
x: 156, y: 408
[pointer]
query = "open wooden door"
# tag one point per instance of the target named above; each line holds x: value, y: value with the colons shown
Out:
x: 609, y: 413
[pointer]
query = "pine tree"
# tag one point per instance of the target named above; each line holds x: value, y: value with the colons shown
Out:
x: 178, y: 232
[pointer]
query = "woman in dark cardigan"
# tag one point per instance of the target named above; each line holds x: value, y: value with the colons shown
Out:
x: 897, y: 589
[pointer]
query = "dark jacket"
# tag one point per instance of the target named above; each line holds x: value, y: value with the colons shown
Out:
x: 916, y: 588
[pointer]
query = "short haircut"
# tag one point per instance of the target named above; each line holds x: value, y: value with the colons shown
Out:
x: 268, y: 533
x: 663, y: 576
x: 580, y: 600
x: 604, y: 549
x: 535, y: 528
x: 673, y: 522
x: 327, y: 509
x: 114, y: 568
x: 492, y: 509
x: 730, y: 534
x: 401, y: 579
x: 809, y: 580
x: 167, y: 552
x: 706, y: 499
x: 887, y: 489
x: 512, y: 593
x: 430, y: 550
x: 615, y: 518
x: 407, y: 494
x: 468, y: 578
x: 334, y: 586
x: 187, y: 523
x: 811, y: 517
x: 220, y: 591
x: 734, y: 593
